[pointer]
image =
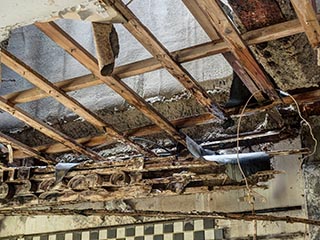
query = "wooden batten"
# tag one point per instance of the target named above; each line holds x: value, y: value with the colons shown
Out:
x: 51, y: 90
x: 151, y: 64
x: 308, y: 19
x: 303, y: 98
x: 28, y: 151
x: 149, y: 41
x: 207, y: 26
x: 237, y: 46
x: 47, y: 130
x: 85, y: 58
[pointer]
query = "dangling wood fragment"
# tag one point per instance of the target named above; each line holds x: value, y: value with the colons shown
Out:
x: 107, y: 46
x: 10, y: 151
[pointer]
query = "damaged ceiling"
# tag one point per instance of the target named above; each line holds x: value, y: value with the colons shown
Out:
x: 191, y: 142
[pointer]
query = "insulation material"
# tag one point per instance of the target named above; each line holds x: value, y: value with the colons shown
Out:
x: 107, y: 46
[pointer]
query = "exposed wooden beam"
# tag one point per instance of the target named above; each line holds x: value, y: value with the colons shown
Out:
x: 153, y: 45
x: 308, y: 19
x: 53, y: 31
x: 46, y: 129
x: 51, y: 90
x: 207, y: 26
x: 302, y: 98
x: 151, y: 64
x: 237, y: 46
x: 28, y: 151
x: 137, y: 132
x: 196, y: 11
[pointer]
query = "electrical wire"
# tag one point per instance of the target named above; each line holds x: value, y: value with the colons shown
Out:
x: 306, y: 122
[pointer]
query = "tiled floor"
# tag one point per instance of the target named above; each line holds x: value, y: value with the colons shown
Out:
x: 202, y: 229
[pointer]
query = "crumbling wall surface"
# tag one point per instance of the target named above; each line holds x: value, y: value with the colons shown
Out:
x: 311, y: 171
x: 36, y: 50
x: 290, y: 61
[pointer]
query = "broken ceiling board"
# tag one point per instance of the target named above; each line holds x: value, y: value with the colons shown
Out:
x: 47, y: 130
x: 184, y: 55
x: 238, y: 47
x: 51, y: 90
x: 308, y: 20
x: 21, y: 13
x: 86, y: 59
x: 205, y: 23
x: 148, y: 40
x: 29, y: 151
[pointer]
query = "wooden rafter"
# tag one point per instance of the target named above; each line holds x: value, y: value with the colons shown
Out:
x: 53, y: 31
x: 308, y: 19
x: 28, y: 151
x: 237, y: 46
x: 303, y: 98
x: 207, y: 26
x: 149, y: 41
x: 151, y: 64
x: 137, y: 132
x: 51, y: 90
x: 46, y: 129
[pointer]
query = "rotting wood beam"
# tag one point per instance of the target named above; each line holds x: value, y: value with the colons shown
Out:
x: 206, y: 25
x: 237, y: 46
x: 153, y: 45
x: 60, y: 37
x: 51, y: 90
x: 28, y: 151
x: 308, y: 19
x: 302, y: 98
x: 47, y: 130
x: 265, y: 34
x: 138, y: 132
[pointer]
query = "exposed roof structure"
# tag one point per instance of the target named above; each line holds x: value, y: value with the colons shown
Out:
x: 145, y: 171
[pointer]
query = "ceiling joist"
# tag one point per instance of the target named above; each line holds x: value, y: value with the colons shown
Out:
x: 303, y: 98
x: 237, y: 46
x: 23, y: 148
x: 308, y: 19
x: 51, y: 90
x: 47, y: 130
x: 149, y: 41
x: 198, y: 14
x: 151, y: 64
x: 60, y: 37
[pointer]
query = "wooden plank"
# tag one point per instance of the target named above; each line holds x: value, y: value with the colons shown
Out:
x: 85, y: 58
x: 308, y: 19
x: 46, y: 129
x: 28, y: 151
x: 151, y: 64
x: 51, y: 90
x: 237, y: 46
x: 302, y: 98
x: 198, y: 14
x: 137, y: 132
x: 153, y: 45
x: 196, y: 11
